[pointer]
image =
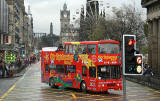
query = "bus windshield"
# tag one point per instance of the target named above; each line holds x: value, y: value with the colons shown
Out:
x: 109, y: 72
x: 108, y: 48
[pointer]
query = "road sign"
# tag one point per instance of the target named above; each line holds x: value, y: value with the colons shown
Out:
x: 139, y: 60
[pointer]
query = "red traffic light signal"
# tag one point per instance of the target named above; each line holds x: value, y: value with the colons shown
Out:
x: 131, y: 42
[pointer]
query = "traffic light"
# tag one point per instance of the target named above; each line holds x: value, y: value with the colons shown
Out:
x: 132, y: 62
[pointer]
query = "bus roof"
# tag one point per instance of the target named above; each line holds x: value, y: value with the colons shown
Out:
x: 91, y: 42
x: 49, y: 48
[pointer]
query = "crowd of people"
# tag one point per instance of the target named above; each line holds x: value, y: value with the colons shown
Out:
x: 7, y: 69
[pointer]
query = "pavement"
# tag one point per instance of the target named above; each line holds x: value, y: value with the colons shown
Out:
x: 7, y: 82
x: 29, y: 88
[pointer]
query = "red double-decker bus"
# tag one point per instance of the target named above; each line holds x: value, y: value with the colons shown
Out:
x: 89, y: 65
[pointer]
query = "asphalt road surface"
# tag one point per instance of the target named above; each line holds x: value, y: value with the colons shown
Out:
x: 29, y: 88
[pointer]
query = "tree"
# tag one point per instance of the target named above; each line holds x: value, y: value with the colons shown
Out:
x: 125, y: 20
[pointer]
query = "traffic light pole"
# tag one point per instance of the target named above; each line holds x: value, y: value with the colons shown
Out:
x: 124, y: 87
x: 123, y: 76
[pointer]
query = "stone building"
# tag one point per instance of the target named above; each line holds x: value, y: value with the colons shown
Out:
x: 68, y: 32
x: 4, y: 34
x: 16, y: 22
x: 30, y: 35
x: 153, y: 19
x: 4, y: 17
x: 20, y: 27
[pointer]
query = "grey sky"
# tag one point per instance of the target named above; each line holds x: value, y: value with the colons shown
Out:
x: 46, y: 11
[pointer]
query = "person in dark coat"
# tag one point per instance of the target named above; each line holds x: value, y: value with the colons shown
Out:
x: 2, y: 68
x: 148, y: 71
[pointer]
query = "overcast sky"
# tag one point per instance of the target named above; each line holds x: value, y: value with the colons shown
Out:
x: 46, y: 11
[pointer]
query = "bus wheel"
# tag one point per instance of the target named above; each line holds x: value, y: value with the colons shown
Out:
x: 83, y: 86
x: 51, y: 83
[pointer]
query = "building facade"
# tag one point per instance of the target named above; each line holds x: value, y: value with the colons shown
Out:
x: 153, y: 19
x: 68, y: 32
x: 16, y: 28
x: 4, y: 17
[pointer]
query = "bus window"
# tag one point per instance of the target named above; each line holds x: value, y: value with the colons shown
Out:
x: 75, y: 49
x: 46, y: 68
x: 52, y: 67
x: 70, y: 49
x: 82, y: 49
x: 84, y: 71
x: 65, y: 69
x: 108, y: 48
x: 92, y: 71
x: 71, y: 69
x: 59, y: 68
x: 66, y: 49
x: 91, y: 49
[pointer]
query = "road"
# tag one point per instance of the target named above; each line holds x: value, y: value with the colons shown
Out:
x: 29, y: 88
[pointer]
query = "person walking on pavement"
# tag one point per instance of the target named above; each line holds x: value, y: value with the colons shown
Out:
x: 11, y: 71
x: 30, y: 61
x: 2, y: 67
x: 7, y: 69
x: 148, y: 71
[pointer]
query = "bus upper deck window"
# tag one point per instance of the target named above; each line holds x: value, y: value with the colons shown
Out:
x: 91, y: 49
x: 108, y: 48
x: 70, y: 49
x: 82, y: 49
x: 66, y: 49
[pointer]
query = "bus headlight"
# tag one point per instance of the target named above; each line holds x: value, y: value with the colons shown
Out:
x: 102, y: 85
x: 99, y: 78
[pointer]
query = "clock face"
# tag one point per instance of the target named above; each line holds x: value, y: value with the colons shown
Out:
x: 65, y: 15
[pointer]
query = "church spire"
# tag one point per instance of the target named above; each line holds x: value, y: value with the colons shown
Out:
x: 104, y: 14
x: 29, y: 10
x: 65, y: 6
x: 51, y: 28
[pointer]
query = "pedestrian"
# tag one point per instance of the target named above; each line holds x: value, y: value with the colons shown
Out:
x: 148, y: 71
x: 30, y: 61
x: 1, y: 68
x: 7, y: 69
x: 11, y: 71
x: 145, y: 68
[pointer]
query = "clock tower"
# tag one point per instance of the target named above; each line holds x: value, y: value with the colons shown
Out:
x: 65, y: 23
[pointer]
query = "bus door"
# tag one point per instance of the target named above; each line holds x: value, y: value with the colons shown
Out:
x: 70, y: 72
x: 46, y: 72
x: 84, y: 73
x: 92, y: 77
